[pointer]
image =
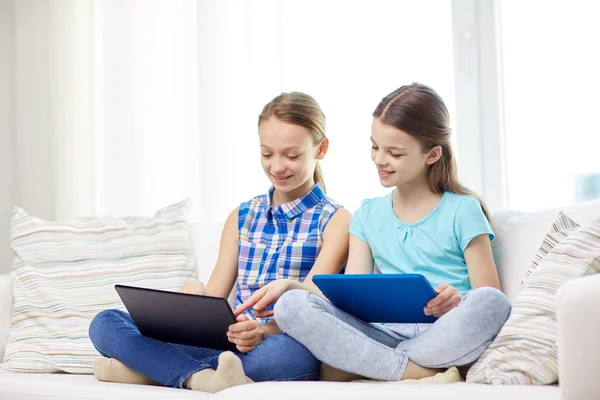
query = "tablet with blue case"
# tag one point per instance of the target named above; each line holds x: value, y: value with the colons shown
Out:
x: 379, y: 297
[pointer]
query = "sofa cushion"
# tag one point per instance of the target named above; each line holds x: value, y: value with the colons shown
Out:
x: 22, y: 386
x: 518, y: 238
x: 525, y: 350
x: 65, y: 272
x: 17, y: 386
x: 391, y: 391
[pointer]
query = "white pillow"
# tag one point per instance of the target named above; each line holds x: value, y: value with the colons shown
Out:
x: 65, y: 272
x: 518, y: 237
x: 525, y: 350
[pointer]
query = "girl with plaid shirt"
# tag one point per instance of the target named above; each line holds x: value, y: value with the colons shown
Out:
x: 289, y: 234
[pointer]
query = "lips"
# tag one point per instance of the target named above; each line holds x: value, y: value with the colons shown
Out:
x: 384, y: 173
x: 281, y: 179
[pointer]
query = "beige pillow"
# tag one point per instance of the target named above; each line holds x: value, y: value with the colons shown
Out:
x: 65, y: 272
x: 525, y: 352
x: 561, y: 227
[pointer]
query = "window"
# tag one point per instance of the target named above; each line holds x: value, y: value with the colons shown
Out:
x: 351, y: 55
x: 551, y: 103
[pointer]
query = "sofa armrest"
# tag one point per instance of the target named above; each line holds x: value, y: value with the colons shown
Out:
x: 579, y: 338
x: 6, y: 302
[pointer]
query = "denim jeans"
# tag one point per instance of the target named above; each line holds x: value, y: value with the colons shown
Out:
x: 115, y: 335
x: 382, y: 351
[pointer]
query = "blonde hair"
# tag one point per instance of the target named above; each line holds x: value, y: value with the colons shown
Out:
x: 419, y: 111
x: 300, y: 109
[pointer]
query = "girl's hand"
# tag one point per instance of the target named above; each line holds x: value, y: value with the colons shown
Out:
x: 263, y: 298
x: 194, y: 287
x: 246, y: 334
x: 447, y: 298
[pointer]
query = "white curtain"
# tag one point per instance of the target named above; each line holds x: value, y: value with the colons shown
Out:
x: 124, y: 106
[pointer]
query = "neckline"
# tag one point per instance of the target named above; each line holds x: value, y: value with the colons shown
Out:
x: 400, y: 223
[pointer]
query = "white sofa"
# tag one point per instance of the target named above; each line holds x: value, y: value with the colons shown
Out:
x: 518, y: 237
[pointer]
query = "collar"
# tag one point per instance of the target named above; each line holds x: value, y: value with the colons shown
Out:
x: 293, y: 208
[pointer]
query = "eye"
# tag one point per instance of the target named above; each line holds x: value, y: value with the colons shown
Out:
x: 396, y: 155
x: 374, y: 147
x: 293, y: 157
x: 267, y: 155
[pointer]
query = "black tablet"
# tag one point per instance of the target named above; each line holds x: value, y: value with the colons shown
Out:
x: 181, y: 318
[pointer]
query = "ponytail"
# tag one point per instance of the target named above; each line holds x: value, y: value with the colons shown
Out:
x: 318, y: 177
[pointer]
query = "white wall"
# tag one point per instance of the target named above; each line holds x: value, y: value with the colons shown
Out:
x: 7, y: 145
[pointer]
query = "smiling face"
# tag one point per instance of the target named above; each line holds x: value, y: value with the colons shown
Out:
x: 288, y: 155
x: 398, y: 156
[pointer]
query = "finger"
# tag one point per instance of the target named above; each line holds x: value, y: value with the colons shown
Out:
x: 264, y: 313
x: 447, y: 306
x: 245, y: 349
x: 242, y: 317
x: 250, y: 302
x: 441, y: 287
x: 244, y: 342
x: 244, y: 326
x: 440, y: 299
x: 440, y: 312
x: 265, y: 301
x: 245, y: 335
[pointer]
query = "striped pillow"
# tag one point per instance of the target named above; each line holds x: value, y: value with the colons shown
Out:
x: 64, y: 274
x: 525, y: 351
x: 562, y: 227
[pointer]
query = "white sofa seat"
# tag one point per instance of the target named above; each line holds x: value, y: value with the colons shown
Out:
x: 517, y: 238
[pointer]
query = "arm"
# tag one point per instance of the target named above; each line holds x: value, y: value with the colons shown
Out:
x: 333, y: 254
x: 480, y: 263
x: 482, y: 272
x: 223, y: 277
x: 360, y: 257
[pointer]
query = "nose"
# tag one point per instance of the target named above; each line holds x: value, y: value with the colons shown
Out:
x: 277, y: 167
x: 378, y: 158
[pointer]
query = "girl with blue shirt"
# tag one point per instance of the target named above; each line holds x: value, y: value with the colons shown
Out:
x: 293, y: 232
x: 429, y: 224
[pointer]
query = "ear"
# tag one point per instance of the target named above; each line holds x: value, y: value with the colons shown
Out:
x: 322, y: 150
x: 434, y: 155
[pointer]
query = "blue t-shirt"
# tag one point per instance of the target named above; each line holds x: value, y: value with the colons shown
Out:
x: 433, y: 246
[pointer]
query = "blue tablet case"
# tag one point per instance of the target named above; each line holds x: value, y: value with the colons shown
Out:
x: 379, y: 297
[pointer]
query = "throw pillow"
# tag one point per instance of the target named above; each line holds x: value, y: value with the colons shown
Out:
x: 525, y: 350
x: 64, y: 274
x: 561, y: 227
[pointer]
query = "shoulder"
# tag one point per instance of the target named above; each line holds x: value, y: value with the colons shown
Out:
x: 254, y: 202
x: 373, y: 205
x: 455, y: 202
x: 332, y: 214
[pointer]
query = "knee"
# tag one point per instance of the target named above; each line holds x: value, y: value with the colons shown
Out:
x: 303, y: 358
x: 491, y: 305
x: 102, y: 325
x: 289, y: 306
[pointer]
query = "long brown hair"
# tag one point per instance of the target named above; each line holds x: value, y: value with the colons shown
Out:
x: 419, y: 111
x: 300, y: 109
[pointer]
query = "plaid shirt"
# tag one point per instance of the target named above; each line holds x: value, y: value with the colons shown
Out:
x: 280, y: 242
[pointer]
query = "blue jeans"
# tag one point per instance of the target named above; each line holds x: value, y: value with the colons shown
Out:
x: 278, y: 358
x: 382, y: 351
